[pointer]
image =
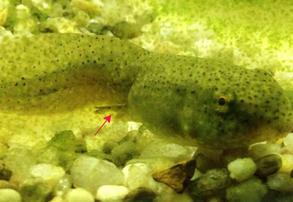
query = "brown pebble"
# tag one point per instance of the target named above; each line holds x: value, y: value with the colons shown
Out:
x: 178, y: 176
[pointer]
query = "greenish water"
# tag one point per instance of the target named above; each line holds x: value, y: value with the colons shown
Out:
x: 37, y: 150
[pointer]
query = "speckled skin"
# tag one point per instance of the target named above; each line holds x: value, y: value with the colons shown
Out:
x: 218, y: 104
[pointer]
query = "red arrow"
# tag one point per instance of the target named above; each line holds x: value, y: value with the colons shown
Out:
x: 107, y: 119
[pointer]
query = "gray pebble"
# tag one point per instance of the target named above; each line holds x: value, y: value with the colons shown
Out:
x: 268, y: 165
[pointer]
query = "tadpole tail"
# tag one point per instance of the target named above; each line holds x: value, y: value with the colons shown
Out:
x: 39, y: 70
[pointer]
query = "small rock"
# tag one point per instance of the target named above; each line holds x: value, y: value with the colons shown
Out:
x: 210, y: 183
x: 250, y: 190
x: 280, y: 182
x: 63, y: 140
x: 287, y: 163
x: 111, y: 193
x: 259, y: 150
x: 124, y: 152
x: 268, y: 165
x: 177, y: 176
x: 79, y: 195
x: 60, y: 150
x: 141, y: 194
x: 50, y: 174
x: 241, y: 169
x: 139, y: 175
x: 90, y: 173
x: 9, y: 195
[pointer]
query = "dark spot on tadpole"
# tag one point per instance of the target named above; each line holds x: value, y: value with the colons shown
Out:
x: 221, y: 101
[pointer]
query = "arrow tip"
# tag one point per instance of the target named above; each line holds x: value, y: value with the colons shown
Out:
x: 108, y: 118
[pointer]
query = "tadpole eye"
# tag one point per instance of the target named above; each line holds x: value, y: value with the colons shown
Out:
x: 221, y: 101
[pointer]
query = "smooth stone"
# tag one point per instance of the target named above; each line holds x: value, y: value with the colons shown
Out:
x: 242, y: 169
x: 268, y: 165
x: 280, y: 182
x: 287, y: 163
x: 79, y: 195
x: 249, y: 190
x: 90, y: 173
x: 50, y: 174
x: 9, y: 195
x: 111, y: 192
x: 210, y: 183
x: 259, y: 150
x: 139, y: 175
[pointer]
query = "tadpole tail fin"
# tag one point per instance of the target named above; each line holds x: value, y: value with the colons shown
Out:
x: 39, y: 70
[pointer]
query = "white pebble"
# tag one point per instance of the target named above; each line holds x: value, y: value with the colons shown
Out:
x: 79, y: 195
x: 241, y: 169
x: 9, y: 195
x: 260, y: 150
x: 139, y: 175
x: 49, y: 173
x: 111, y: 192
x: 90, y: 173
